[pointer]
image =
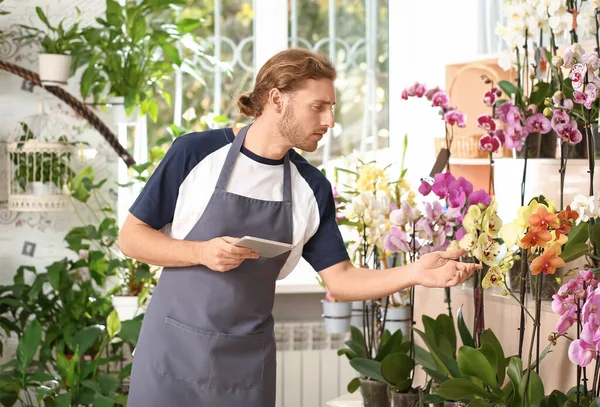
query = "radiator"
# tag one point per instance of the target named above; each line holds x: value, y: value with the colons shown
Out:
x: 309, y: 371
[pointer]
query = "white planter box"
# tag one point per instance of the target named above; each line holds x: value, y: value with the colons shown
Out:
x: 398, y: 318
x: 336, y: 316
x: 54, y: 69
x: 118, y: 111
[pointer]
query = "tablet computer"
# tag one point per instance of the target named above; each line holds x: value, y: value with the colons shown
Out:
x: 265, y: 248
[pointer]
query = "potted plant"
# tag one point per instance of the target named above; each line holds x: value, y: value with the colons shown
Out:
x: 62, y: 50
x: 132, y: 294
x: 336, y: 314
x: 388, y: 368
x: 134, y: 51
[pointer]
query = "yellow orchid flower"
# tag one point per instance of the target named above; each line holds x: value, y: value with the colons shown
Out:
x: 494, y: 277
x: 556, y: 244
x: 489, y: 249
x: 491, y: 223
x: 512, y: 233
x: 472, y: 219
x: 468, y: 242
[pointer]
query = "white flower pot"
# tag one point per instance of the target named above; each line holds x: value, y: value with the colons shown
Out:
x: 119, y: 115
x: 357, y: 314
x: 398, y: 318
x: 126, y: 306
x: 38, y: 188
x: 336, y: 316
x: 54, y: 69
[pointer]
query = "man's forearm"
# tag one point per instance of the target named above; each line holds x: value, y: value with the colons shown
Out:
x: 153, y: 247
x: 359, y: 284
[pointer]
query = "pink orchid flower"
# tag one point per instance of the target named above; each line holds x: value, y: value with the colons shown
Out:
x: 456, y: 118
x: 429, y: 94
x: 420, y: 90
x: 538, y: 123
x: 515, y: 136
x: 591, y: 330
x: 559, y: 117
x: 440, y: 99
x: 582, y: 353
x: 486, y: 122
x: 568, y: 104
x: 500, y: 134
x: 577, y: 75
x: 502, y: 111
x: 566, y: 320
x: 424, y: 188
x: 514, y: 115
x: 569, y: 132
x: 489, y: 143
x: 396, y: 240
x: 489, y: 98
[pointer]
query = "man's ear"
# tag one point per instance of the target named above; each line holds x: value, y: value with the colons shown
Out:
x: 276, y: 100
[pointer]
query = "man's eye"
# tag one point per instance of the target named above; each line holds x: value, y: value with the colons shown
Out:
x: 317, y: 107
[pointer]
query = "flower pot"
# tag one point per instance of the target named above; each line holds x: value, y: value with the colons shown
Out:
x: 54, y: 69
x: 404, y: 399
x: 397, y: 318
x: 336, y: 316
x: 357, y: 314
x: 126, y: 306
x: 119, y: 115
x: 374, y: 393
x: 38, y: 188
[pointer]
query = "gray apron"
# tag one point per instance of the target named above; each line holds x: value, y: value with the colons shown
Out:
x: 207, y: 337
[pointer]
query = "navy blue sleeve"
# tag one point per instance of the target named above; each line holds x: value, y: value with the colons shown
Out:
x: 155, y: 205
x: 326, y: 247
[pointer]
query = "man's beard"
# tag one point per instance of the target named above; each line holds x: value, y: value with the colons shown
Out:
x: 289, y: 128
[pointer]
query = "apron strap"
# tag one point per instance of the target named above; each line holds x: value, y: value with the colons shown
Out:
x: 231, y: 158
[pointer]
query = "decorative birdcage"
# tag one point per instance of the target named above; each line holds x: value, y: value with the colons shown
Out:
x: 39, y: 152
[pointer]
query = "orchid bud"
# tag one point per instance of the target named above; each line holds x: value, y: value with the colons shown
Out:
x: 548, y: 102
x: 557, y: 61
x: 548, y: 112
x: 517, y: 257
x: 559, y: 280
x: 504, y: 293
x: 558, y: 95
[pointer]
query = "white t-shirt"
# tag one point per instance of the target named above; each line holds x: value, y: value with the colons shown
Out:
x: 179, y: 190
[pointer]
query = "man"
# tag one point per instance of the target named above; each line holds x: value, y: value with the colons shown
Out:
x: 207, y: 337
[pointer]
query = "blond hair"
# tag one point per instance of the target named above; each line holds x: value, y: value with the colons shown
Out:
x: 285, y: 71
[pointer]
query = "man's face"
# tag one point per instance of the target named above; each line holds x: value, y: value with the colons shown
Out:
x: 307, y: 114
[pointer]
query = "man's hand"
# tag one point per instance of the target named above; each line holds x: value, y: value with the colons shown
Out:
x: 440, y: 270
x: 220, y: 254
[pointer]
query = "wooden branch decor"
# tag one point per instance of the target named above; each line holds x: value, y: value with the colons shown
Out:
x: 80, y: 108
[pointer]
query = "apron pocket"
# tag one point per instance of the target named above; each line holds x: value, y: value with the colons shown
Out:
x: 183, y: 352
x: 237, y: 361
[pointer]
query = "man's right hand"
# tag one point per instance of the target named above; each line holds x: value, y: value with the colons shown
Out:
x: 220, y: 254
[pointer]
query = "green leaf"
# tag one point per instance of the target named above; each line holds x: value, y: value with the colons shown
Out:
x: 446, y: 365
x: 367, y: 367
x: 188, y: 25
x: 540, y: 91
x: 42, y: 17
x: 396, y: 369
x: 130, y: 330
x: 463, y: 389
x: 90, y: 384
x: 78, y: 188
x: 445, y: 326
x: 515, y: 371
x: 108, y: 383
x: 595, y: 234
x: 355, y: 349
x: 423, y: 358
x: 535, y: 389
x: 40, y: 376
x: 172, y: 54
x: 472, y: 362
x: 488, y: 337
x: 113, y: 324
x: 488, y: 351
x: 465, y: 334
x: 85, y: 338
x: 393, y: 345
x: 578, y: 234
x: 574, y: 252
x: 28, y: 345
x: 353, y: 385
x: 558, y: 399
x: 508, y: 88
x: 64, y: 400
x: 433, y: 398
